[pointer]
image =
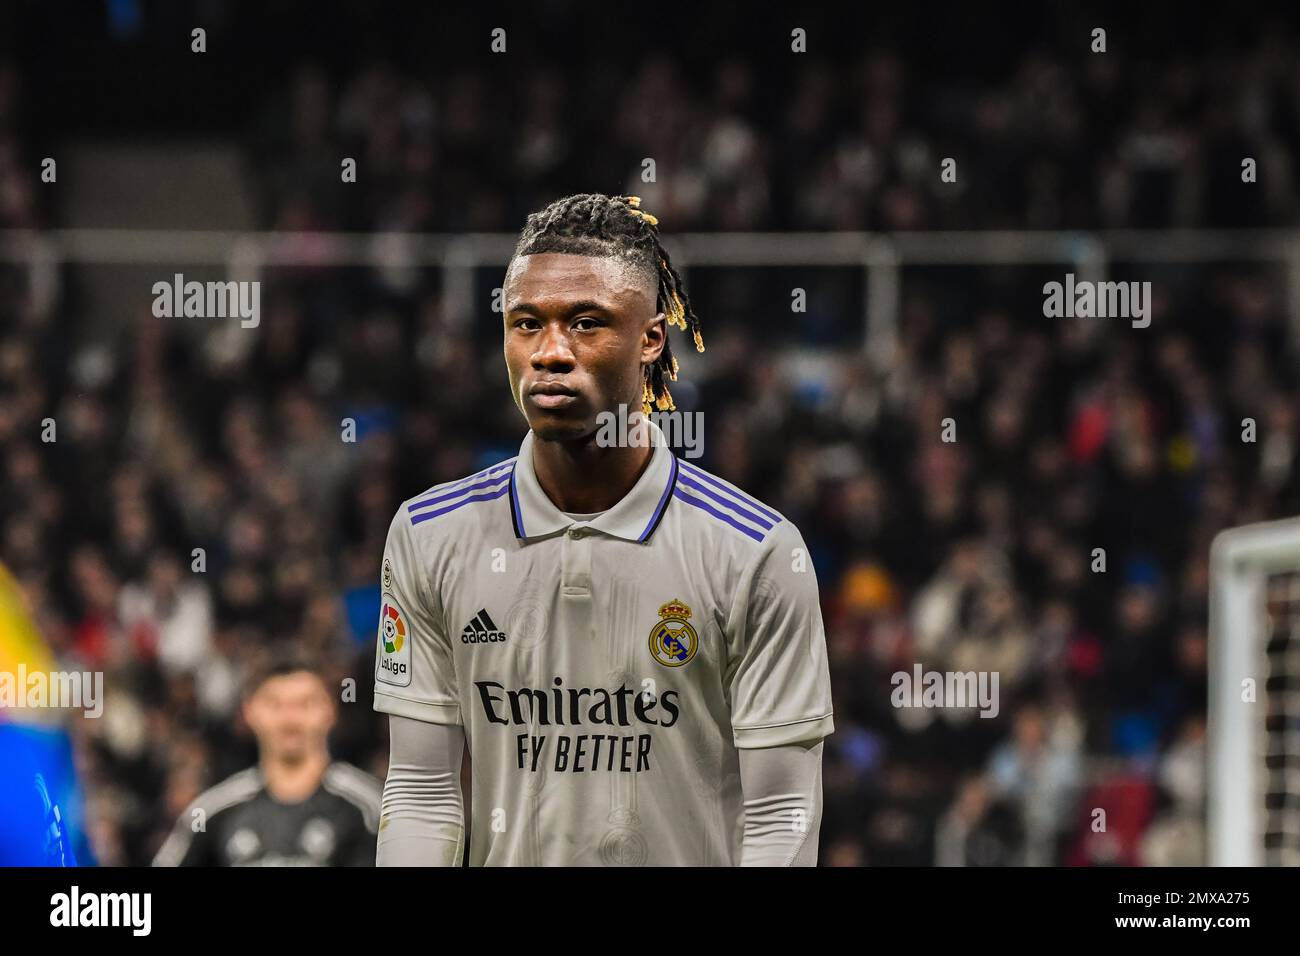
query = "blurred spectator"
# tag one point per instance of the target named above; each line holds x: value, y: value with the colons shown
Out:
x: 1039, y: 771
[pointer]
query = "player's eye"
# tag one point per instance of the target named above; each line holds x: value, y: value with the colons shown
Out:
x: 586, y: 323
x: 527, y: 323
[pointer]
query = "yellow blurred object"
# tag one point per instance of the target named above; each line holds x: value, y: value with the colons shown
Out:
x: 20, y: 642
x: 867, y: 587
x: 1182, y: 454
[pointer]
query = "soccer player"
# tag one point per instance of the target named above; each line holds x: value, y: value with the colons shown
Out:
x: 631, y: 647
x: 297, y: 807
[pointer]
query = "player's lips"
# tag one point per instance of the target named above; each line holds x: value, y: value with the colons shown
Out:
x: 552, y: 395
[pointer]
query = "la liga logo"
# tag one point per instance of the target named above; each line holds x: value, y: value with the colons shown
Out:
x: 392, y: 628
x: 395, y: 645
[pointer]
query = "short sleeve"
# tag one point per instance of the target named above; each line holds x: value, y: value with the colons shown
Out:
x: 414, y: 670
x: 779, y: 680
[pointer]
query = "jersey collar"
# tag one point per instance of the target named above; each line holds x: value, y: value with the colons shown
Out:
x: 634, y: 518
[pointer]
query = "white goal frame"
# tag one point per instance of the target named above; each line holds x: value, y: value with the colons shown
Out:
x: 1241, y: 559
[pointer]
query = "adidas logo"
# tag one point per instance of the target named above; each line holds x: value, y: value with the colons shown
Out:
x: 481, y: 630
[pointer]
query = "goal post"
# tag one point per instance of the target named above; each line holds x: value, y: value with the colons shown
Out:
x: 1253, y: 756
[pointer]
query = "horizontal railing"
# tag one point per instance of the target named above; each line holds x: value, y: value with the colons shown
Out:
x: 881, y: 256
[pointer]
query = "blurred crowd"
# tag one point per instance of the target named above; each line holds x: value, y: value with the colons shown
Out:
x: 1070, y: 139
x: 199, y: 506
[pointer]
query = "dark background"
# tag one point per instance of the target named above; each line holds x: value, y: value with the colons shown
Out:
x: 973, y: 555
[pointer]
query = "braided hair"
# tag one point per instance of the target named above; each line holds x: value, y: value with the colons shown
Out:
x: 593, y: 224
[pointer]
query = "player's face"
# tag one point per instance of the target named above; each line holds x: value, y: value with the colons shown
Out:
x: 291, y: 716
x: 578, y: 332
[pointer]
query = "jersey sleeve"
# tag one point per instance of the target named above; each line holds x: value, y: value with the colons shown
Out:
x: 414, y: 670
x: 779, y: 679
x: 186, y: 845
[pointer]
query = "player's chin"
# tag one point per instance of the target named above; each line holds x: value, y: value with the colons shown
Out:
x: 566, y: 422
x: 560, y: 428
x: 289, y: 751
x: 560, y: 424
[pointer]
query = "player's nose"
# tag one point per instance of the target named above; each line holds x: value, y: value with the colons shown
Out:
x: 553, y: 351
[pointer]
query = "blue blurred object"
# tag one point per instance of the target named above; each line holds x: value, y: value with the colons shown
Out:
x: 124, y: 18
x: 1136, y: 735
x: 859, y: 748
x: 1142, y: 569
x: 40, y: 803
x: 372, y: 420
x: 361, y: 605
x: 38, y: 794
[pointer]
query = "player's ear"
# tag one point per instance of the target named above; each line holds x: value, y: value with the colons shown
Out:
x: 653, y: 338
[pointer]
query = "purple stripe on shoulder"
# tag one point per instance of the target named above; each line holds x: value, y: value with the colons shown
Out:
x: 704, y: 476
x: 430, y: 502
x: 501, y: 466
x: 703, y: 489
x: 486, y: 496
x: 705, y: 506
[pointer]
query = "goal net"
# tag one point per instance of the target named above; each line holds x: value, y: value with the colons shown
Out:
x: 1254, y: 686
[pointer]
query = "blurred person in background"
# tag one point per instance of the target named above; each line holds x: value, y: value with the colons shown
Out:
x: 1038, y: 771
x: 1177, y: 836
x: 297, y: 807
x: 978, y: 829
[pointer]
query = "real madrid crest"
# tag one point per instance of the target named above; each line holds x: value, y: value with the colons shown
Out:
x: 673, y: 642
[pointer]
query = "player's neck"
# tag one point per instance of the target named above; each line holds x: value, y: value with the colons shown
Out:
x: 585, y: 477
x: 294, y: 782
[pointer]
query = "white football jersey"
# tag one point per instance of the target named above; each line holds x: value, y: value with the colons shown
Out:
x: 605, y: 671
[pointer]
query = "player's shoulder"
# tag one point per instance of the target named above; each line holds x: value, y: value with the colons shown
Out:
x: 356, y: 787
x: 236, y: 789
x: 451, y: 502
x: 212, y: 804
x: 716, y: 502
